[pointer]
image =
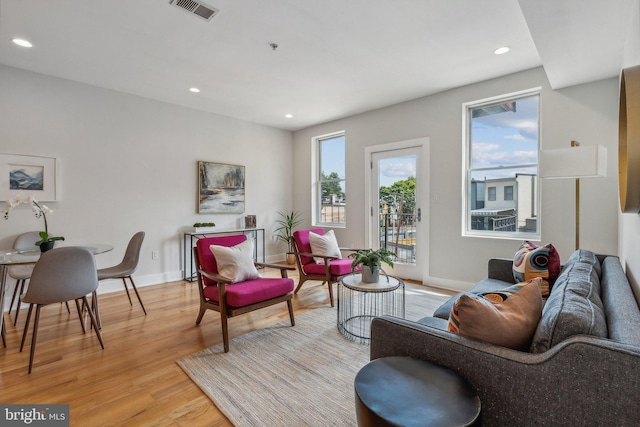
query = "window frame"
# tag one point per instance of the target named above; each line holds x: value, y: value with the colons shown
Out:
x: 492, y: 195
x: 466, y: 223
x: 316, y: 200
x: 504, y: 196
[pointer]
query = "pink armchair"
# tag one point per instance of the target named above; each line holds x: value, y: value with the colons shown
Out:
x: 230, y: 299
x: 329, y: 271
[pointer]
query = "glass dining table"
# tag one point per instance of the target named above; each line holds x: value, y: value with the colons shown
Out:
x: 21, y: 257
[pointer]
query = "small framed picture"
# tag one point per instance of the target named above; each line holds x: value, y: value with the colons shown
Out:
x: 250, y: 221
x: 28, y: 175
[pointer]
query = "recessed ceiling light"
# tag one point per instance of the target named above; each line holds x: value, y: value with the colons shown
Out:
x: 22, y: 42
x: 194, y: 90
x: 289, y: 116
x: 502, y: 50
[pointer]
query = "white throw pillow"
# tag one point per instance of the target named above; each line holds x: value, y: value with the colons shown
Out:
x: 326, y: 245
x: 236, y: 262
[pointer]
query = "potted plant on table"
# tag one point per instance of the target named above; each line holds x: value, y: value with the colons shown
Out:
x: 284, y: 232
x: 46, y: 241
x: 204, y: 227
x: 371, y: 261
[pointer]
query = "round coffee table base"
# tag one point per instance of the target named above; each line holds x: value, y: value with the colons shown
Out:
x: 357, y: 328
x: 359, y: 302
x: 402, y: 391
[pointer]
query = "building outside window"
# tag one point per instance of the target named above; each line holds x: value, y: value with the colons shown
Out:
x: 330, y: 198
x: 501, y: 155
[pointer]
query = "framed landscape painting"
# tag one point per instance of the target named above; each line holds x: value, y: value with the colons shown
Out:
x: 28, y: 175
x: 220, y: 188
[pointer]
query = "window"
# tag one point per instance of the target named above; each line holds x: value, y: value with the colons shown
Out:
x: 330, y: 198
x: 501, y: 155
x: 508, y: 192
x: 491, y: 194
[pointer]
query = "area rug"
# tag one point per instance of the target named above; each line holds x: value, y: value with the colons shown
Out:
x: 292, y: 376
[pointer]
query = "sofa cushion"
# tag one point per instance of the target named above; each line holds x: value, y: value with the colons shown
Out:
x: 574, y: 306
x: 586, y: 256
x: 532, y: 261
x: 434, y: 322
x: 486, y: 285
x: 337, y: 267
x: 620, y: 306
x: 252, y: 291
x: 505, y: 317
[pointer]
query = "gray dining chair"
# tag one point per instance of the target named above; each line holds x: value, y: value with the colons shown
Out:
x: 127, y: 267
x: 22, y: 273
x: 61, y: 275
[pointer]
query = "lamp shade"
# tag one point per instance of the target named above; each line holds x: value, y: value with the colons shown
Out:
x: 574, y: 162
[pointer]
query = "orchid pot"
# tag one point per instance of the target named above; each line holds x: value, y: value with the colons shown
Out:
x: 46, y: 241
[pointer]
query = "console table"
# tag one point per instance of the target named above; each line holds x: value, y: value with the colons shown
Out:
x: 190, y: 239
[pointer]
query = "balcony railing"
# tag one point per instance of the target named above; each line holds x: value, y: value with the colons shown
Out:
x: 398, y: 235
x: 332, y: 213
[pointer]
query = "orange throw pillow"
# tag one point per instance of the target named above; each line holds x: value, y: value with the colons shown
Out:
x: 507, y: 318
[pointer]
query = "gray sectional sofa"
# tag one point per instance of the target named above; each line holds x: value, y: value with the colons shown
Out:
x: 583, y: 367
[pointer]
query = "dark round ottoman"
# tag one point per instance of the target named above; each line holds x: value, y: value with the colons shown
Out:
x: 402, y: 391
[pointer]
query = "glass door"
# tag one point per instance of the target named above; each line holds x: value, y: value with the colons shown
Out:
x: 396, y: 212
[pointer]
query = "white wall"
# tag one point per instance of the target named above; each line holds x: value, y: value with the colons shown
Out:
x: 586, y: 113
x: 128, y: 163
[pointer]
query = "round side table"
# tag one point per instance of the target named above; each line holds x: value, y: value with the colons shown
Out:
x: 359, y: 302
x: 402, y: 391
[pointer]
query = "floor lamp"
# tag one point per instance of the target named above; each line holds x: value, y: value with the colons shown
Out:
x: 575, y: 162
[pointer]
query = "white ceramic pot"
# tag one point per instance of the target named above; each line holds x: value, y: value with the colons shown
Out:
x: 370, y: 276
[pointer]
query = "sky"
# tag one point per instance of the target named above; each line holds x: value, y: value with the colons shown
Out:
x: 396, y: 169
x: 505, y: 139
x: 391, y: 170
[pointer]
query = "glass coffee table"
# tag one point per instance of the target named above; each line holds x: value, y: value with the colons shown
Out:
x: 359, y: 302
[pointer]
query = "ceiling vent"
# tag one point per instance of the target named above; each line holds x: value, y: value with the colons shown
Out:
x: 198, y: 9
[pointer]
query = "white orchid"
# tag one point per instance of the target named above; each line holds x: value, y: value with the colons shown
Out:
x: 40, y: 211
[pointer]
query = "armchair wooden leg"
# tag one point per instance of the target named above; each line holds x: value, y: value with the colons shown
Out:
x: 301, y: 280
x: 329, y: 284
x: 225, y: 332
x: 203, y: 309
x: 290, y: 306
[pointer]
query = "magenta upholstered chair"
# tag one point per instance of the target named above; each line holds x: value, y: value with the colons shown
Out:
x: 328, y: 271
x: 230, y: 299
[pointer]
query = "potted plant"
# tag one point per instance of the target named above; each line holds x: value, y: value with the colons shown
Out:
x: 46, y: 241
x: 204, y: 227
x: 370, y: 260
x: 284, y: 232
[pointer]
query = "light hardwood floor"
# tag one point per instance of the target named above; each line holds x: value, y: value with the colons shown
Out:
x: 134, y: 381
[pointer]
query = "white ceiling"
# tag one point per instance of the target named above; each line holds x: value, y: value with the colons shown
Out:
x: 335, y: 58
